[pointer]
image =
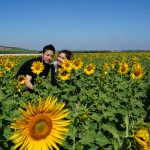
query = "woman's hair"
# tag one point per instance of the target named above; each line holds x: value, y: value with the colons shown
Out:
x: 68, y: 53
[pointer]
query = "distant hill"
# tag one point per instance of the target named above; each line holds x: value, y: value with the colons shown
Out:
x: 16, y: 50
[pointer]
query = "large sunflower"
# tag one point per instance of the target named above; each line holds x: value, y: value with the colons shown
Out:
x: 63, y: 73
x: 123, y: 68
x: 37, y: 67
x: 41, y: 127
x: 137, y: 72
x: 67, y: 64
x: 77, y: 64
x: 142, y: 137
x: 89, y: 69
x: 21, y: 79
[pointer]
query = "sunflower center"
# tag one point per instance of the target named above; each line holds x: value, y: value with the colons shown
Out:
x: 123, y: 69
x: 40, y: 126
x: 67, y: 65
x: 64, y: 73
x: 37, y: 67
x: 21, y: 79
x: 77, y: 63
x: 148, y: 143
x: 137, y: 72
x: 89, y: 68
x: 8, y: 65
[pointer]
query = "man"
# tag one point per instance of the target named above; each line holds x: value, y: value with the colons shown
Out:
x: 46, y: 58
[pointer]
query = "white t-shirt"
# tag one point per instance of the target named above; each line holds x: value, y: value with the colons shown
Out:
x: 55, y: 65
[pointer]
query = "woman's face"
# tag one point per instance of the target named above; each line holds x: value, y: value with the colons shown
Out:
x: 61, y: 58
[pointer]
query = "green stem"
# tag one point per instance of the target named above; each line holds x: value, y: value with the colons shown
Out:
x: 74, y: 142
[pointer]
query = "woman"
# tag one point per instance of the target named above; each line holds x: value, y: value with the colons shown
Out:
x: 62, y: 55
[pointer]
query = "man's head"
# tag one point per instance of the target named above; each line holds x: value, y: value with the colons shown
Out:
x: 48, y: 53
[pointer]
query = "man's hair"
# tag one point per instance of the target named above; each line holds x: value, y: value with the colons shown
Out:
x: 49, y: 47
x: 68, y: 53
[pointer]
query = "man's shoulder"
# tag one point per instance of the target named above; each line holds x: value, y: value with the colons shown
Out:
x: 36, y: 59
x: 30, y: 61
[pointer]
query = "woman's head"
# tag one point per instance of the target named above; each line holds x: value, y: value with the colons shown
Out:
x: 62, y: 55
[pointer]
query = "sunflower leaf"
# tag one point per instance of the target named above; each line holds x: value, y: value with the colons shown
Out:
x: 102, y: 140
x: 111, y: 129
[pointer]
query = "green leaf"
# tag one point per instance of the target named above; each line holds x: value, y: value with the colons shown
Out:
x: 111, y: 129
x: 7, y: 132
x: 116, y: 144
x: 73, y: 98
x: 86, y: 141
x: 96, y: 117
x: 88, y: 137
x: 102, y: 140
x: 94, y: 148
x: 64, y: 96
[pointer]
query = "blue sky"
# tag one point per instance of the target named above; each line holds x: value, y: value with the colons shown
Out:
x: 76, y: 24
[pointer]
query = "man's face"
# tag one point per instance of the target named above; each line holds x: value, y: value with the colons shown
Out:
x: 48, y: 56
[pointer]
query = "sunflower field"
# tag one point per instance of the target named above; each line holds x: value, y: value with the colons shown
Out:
x: 102, y: 102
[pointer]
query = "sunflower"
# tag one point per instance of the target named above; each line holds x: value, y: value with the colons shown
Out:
x: 1, y: 62
x: 63, y: 73
x: 115, y: 64
x: 8, y: 65
x: 37, y: 67
x: 41, y: 127
x: 77, y: 64
x: 123, y: 68
x: 21, y: 79
x: 19, y: 88
x: 137, y: 72
x: 89, y: 69
x: 106, y: 68
x: 134, y: 64
x: 135, y: 58
x: 142, y: 137
x: 13, y: 74
x: 1, y: 73
x: 67, y: 64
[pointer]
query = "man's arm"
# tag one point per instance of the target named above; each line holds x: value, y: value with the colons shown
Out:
x: 28, y: 82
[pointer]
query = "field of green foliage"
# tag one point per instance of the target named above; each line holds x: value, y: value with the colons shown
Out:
x: 15, y: 50
x: 103, y: 103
